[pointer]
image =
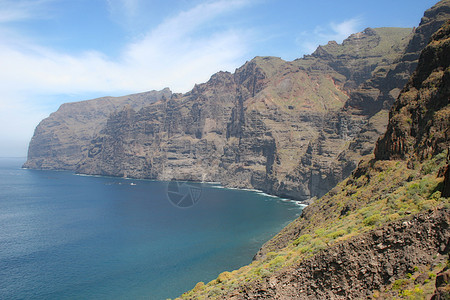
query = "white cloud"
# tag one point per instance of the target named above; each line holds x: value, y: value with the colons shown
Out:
x: 173, y: 54
x: 343, y: 30
x: 309, y: 41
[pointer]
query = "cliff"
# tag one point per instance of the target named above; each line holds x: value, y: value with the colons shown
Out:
x: 384, y: 231
x: 61, y: 140
x: 272, y: 125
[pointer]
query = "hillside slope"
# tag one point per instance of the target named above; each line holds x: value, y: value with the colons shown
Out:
x: 383, y: 232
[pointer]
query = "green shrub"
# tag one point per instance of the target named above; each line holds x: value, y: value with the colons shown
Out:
x: 400, y: 284
x: 199, y: 286
x: 223, y: 277
x: 264, y: 273
x: 277, y: 262
x: 304, y: 249
x: 336, y: 234
x: 416, y: 293
x: 320, y: 231
x: 317, y: 244
x: 302, y: 239
x: 372, y: 220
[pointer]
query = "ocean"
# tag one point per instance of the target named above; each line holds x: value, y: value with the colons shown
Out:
x: 65, y: 236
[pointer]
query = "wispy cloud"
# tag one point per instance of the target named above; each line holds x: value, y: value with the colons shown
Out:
x: 173, y: 54
x: 309, y: 41
x: 19, y: 10
x: 170, y: 55
x: 124, y: 11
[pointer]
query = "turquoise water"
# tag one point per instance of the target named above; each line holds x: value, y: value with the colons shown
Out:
x: 64, y: 236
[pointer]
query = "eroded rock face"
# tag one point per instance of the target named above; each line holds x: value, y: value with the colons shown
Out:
x: 380, y: 91
x: 61, y: 140
x: 442, y: 291
x: 421, y: 138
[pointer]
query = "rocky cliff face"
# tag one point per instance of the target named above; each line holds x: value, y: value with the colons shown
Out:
x: 61, y: 140
x: 294, y: 129
x: 272, y: 125
x: 413, y: 140
x: 419, y: 125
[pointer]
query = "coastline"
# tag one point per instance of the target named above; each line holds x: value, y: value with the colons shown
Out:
x: 213, y: 184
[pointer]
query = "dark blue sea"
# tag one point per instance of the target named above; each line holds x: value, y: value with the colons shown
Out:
x: 65, y: 236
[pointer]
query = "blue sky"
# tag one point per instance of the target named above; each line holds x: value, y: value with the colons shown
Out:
x: 56, y: 51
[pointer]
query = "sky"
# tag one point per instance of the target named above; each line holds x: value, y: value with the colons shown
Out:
x: 57, y: 51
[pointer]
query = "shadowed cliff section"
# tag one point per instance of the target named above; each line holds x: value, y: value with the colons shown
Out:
x: 381, y: 233
x: 419, y: 124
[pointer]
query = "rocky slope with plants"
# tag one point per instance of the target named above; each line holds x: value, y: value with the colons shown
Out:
x: 384, y: 231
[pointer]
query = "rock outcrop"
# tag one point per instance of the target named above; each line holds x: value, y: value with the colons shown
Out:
x: 442, y: 285
x: 419, y: 124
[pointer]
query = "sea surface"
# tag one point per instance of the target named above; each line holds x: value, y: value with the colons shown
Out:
x: 65, y: 236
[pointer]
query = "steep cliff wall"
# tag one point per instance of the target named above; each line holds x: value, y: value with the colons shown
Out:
x: 61, y: 140
x: 294, y: 129
x: 419, y: 124
x: 272, y: 125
